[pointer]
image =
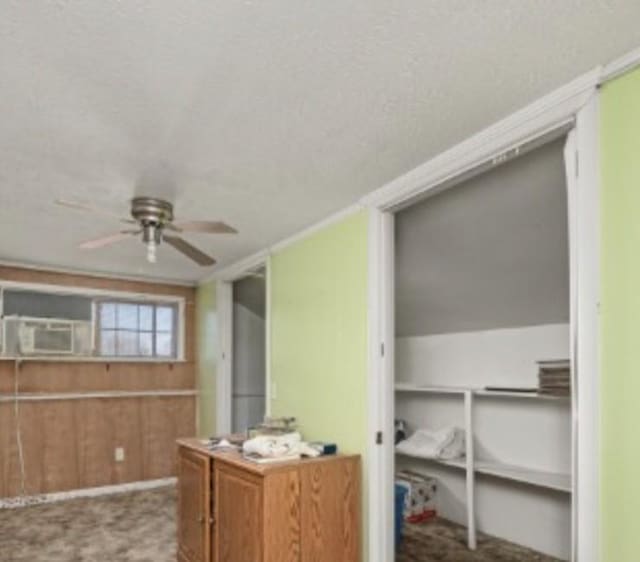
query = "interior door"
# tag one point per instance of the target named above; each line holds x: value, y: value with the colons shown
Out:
x: 194, y: 489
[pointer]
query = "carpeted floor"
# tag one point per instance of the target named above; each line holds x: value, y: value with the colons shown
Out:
x: 131, y: 527
x: 140, y: 527
x: 443, y: 541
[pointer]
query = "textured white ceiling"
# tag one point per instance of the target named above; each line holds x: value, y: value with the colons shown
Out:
x: 489, y: 253
x: 269, y: 115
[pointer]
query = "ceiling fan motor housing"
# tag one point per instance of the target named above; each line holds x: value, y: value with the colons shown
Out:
x: 151, y: 211
x: 152, y: 214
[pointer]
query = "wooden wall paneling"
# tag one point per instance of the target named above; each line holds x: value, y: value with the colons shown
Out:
x: 74, y: 376
x: 104, y: 424
x: 7, y: 446
x: 71, y: 444
x: 162, y: 420
x: 331, y: 511
x: 282, y: 517
x: 59, y: 446
x: 125, y: 419
x: 33, y: 434
x: 94, y: 443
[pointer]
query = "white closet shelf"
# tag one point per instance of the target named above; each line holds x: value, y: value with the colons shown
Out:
x: 552, y: 480
x: 480, y: 392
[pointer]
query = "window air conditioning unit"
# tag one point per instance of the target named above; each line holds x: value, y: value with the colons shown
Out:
x: 44, y: 337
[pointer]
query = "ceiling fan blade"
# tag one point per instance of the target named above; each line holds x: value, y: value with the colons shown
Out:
x: 88, y: 208
x: 212, y: 227
x: 188, y: 250
x: 107, y: 240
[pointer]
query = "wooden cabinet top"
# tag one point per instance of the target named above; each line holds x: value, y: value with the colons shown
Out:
x: 235, y: 458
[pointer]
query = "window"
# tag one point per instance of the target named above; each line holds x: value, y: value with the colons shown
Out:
x: 136, y: 329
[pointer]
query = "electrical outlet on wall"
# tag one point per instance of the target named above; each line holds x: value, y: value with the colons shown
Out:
x: 119, y: 454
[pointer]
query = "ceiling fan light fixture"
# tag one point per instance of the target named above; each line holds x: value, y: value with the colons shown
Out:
x: 152, y: 251
x: 151, y: 236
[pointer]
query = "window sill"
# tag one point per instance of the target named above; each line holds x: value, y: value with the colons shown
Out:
x: 72, y: 359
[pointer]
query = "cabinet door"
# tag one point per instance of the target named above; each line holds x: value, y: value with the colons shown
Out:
x: 194, y: 490
x: 238, y: 520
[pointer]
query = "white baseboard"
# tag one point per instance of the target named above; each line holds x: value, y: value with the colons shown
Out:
x: 23, y: 501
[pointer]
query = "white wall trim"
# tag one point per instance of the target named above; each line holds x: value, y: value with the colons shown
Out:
x: 224, y: 386
x: 622, y: 65
x: 539, y: 118
x: 97, y: 274
x: 224, y: 304
x: 46, y: 396
x: 24, y: 501
x: 586, y: 217
x: 239, y: 268
x: 380, y: 410
x: 268, y: 391
x: 317, y: 227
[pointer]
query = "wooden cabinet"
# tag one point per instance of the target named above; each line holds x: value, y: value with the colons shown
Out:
x: 300, y: 511
x: 194, y: 510
x: 238, y: 506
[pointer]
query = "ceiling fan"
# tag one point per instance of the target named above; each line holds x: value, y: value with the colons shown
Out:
x: 153, y: 219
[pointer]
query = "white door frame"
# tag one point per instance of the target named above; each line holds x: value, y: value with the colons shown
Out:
x: 224, y: 305
x: 573, y: 105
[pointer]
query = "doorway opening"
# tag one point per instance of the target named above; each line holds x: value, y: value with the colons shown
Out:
x: 248, y: 365
x: 483, y: 297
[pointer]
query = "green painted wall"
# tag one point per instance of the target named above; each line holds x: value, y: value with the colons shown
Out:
x: 319, y: 333
x: 206, y: 355
x: 620, y: 318
x: 319, y: 336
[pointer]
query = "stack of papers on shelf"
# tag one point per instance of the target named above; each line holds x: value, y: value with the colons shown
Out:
x: 554, y: 377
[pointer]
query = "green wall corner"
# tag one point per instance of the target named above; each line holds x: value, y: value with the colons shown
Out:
x: 620, y: 318
x: 206, y: 357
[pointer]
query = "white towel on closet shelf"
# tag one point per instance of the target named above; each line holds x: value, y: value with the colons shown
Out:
x: 447, y: 443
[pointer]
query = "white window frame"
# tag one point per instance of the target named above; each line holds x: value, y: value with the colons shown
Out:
x: 98, y: 328
x: 107, y: 294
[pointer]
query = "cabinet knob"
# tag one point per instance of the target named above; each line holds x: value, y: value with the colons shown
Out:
x: 201, y: 519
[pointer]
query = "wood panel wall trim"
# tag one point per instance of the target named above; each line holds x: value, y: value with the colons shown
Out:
x: 40, y: 396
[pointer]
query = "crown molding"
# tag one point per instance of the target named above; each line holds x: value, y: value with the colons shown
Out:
x: 539, y: 118
x: 626, y: 63
x: 245, y: 265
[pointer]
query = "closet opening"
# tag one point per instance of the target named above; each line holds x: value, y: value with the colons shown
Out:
x: 248, y: 364
x: 485, y: 437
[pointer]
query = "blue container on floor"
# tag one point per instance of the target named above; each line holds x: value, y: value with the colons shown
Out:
x: 401, y: 492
